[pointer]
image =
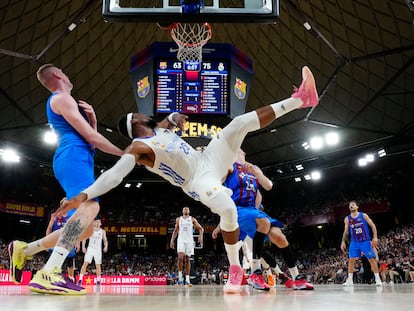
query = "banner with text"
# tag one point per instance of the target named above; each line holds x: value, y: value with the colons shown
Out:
x: 22, y: 209
x: 126, y: 280
x: 131, y: 229
x: 5, y: 278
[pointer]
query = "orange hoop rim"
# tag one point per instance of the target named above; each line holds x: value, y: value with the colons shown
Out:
x: 173, y: 26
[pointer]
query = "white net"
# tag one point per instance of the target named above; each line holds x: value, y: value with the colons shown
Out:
x: 190, y: 39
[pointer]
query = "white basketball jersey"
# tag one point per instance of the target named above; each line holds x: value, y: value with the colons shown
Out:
x: 185, y: 234
x: 175, y: 159
x: 95, y: 240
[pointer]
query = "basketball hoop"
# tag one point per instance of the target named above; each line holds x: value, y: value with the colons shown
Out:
x: 190, y: 39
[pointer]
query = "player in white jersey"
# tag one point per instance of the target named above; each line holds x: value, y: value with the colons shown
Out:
x: 184, y: 228
x: 94, y: 251
x: 199, y: 174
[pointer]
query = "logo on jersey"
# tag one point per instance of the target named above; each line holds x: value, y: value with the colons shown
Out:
x: 143, y: 87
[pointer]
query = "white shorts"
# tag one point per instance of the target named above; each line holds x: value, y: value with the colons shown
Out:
x: 185, y: 247
x: 93, y: 254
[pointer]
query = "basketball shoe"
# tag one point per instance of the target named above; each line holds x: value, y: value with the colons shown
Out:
x: 271, y: 280
x: 188, y: 284
x: 307, y: 91
x: 233, y: 285
x: 53, y: 282
x: 17, y: 260
x: 349, y: 282
x: 257, y: 282
x: 285, y: 280
x: 300, y: 283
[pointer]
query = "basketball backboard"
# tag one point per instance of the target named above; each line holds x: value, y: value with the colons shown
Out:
x: 191, y: 11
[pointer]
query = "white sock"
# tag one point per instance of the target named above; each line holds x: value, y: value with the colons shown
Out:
x: 350, y: 277
x: 233, y: 252
x: 377, y: 277
x: 277, y: 269
x: 285, y: 106
x: 187, y: 278
x: 180, y: 275
x: 255, y: 265
x: 80, y: 277
x: 294, y: 272
x: 56, y: 259
x: 34, y: 248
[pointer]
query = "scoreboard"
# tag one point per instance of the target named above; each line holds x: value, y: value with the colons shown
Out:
x: 216, y: 86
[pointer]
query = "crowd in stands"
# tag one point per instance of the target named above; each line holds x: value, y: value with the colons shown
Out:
x: 322, y: 266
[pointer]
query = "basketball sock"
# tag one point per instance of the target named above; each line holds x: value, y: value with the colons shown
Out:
x: 233, y: 253
x: 255, y: 265
x: 277, y: 269
x: 187, y: 278
x: 34, y: 248
x: 285, y: 106
x: 180, y: 275
x: 294, y: 272
x: 351, y: 277
x: 56, y: 259
x: 81, y: 277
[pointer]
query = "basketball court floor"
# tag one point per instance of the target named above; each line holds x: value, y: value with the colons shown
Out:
x: 210, y: 297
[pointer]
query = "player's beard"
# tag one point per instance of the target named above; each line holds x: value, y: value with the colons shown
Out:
x: 151, y: 123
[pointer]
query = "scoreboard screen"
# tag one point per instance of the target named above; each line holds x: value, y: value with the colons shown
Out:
x: 191, y: 87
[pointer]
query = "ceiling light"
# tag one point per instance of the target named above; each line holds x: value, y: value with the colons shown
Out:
x: 369, y: 157
x: 305, y: 145
x: 362, y: 162
x: 332, y: 138
x: 299, y: 167
x: 382, y: 153
x: 307, y: 26
x: 307, y: 177
x: 316, y: 175
x: 139, y: 185
x: 316, y: 143
x: 10, y: 156
x: 127, y: 185
x: 298, y: 179
x: 50, y: 137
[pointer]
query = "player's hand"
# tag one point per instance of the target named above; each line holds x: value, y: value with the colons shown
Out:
x: 200, y: 240
x: 172, y: 245
x: 90, y: 113
x: 374, y: 243
x: 215, y: 233
x: 67, y: 205
x: 180, y: 119
x: 343, y: 246
x: 84, y: 250
x: 105, y: 249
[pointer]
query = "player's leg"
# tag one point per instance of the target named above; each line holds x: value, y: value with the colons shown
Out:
x: 218, y: 199
x: 20, y: 252
x: 180, y: 261
x: 98, y: 266
x: 371, y: 255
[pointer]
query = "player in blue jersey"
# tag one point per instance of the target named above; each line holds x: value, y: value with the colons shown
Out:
x: 198, y: 174
x: 244, y: 179
x: 357, y: 226
x: 73, y: 164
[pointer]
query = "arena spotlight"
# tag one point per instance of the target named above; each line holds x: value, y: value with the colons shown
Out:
x: 316, y: 175
x: 362, y: 162
x: 299, y: 167
x: 316, y: 143
x: 9, y: 156
x: 298, y: 179
x: 50, y: 137
x: 332, y: 138
x: 369, y: 157
x: 382, y: 153
x: 307, y: 177
x: 127, y: 185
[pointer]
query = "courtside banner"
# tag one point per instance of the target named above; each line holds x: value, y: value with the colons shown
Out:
x: 5, y: 278
x: 125, y: 280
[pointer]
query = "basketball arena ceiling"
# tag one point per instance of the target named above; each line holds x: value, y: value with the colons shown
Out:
x: 361, y: 52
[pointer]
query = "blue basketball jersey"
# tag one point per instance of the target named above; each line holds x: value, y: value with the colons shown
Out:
x: 243, y: 184
x: 358, y: 228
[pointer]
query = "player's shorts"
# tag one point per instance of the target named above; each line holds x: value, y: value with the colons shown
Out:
x: 185, y: 247
x: 92, y: 254
x: 74, y: 169
x: 247, y: 221
x: 356, y: 248
x: 69, y: 262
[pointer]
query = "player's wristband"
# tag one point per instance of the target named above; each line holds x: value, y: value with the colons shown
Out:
x: 170, y: 118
